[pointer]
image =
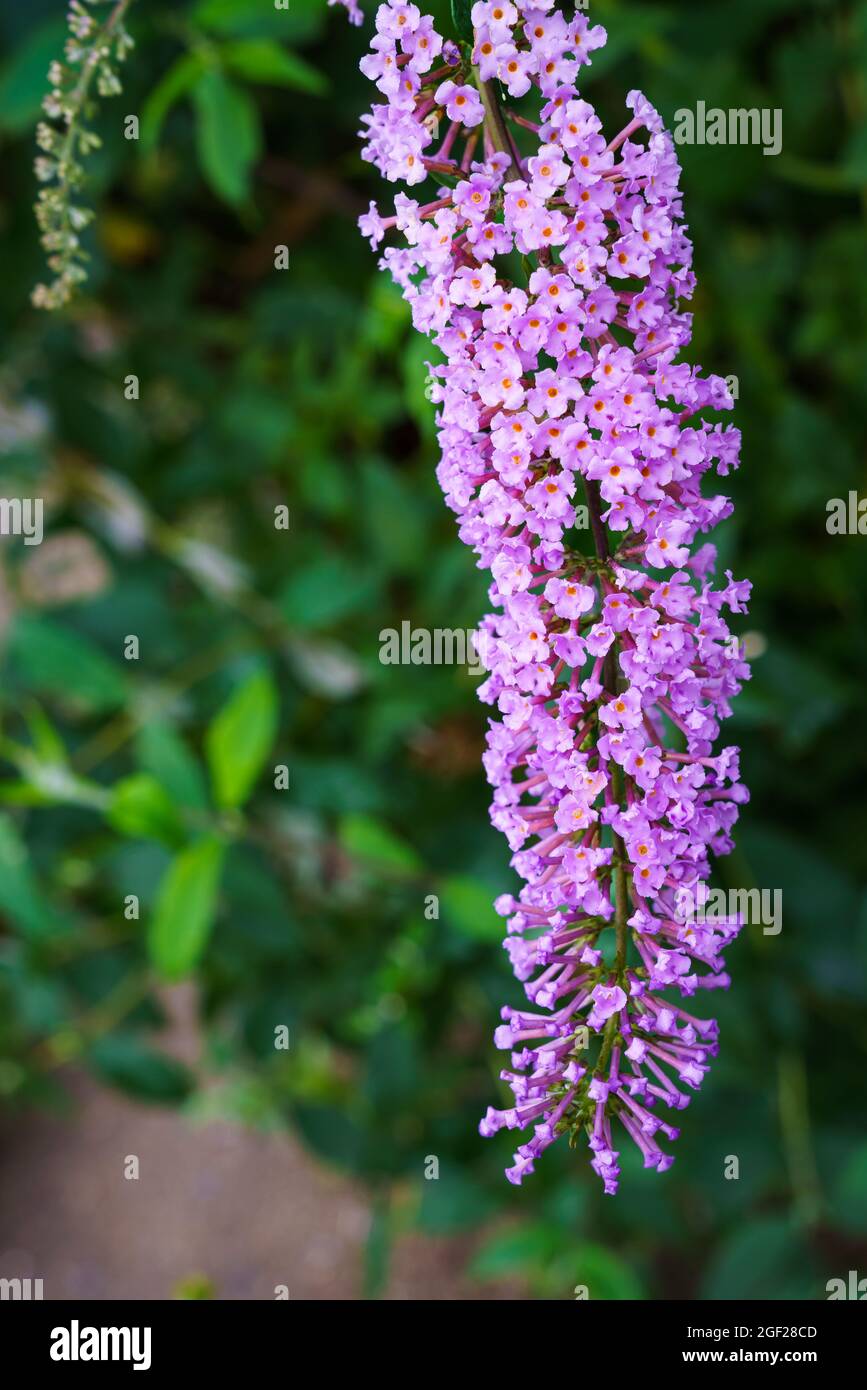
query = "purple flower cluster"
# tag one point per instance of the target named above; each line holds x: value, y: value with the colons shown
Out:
x: 563, y: 407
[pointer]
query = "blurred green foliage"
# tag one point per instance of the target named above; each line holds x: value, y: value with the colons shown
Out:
x: 297, y: 898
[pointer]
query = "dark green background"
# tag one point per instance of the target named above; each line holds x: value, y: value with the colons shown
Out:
x: 306, y: 387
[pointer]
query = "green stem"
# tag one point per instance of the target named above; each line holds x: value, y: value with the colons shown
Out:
x: 797, y: 1138
x: 609, y: 681
x: 501, y: 137
x: 69, y: 1043
x: 621, y: 894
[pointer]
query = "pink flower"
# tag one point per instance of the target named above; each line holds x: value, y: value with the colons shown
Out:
x: 462, y: 103
x: 560, y: 396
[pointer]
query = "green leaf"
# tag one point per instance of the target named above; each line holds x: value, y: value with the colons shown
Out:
x: 185, y: 909
x: 516, y: 1251
x: 468, y: 905
x: 371, y: 841
x: 766, y: 1259
x: 396, y: 523
x: 325, y: 590
x: 140, y: 1071
x: 392, y: 1069
x: 179, y: 80
x: 140, y: 806
x: 849, y: 1200
x: 162, y: 752
x: 21, y: 898
x: 263, y: 60
x: 332, y: 1134
x: 453, y: 1201
x: 228, y: 134
x: 415, y: 356
x: 604, y: 1274
x: 303, y: 19
x: 462, y: 20
x: 239, y: 739
x: 46, y: 740
x: 64, y: 664
x: 23, y: 81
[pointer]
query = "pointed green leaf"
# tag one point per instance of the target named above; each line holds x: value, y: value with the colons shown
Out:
x: 462, y: 19
x: 175, y: 84
x: 469, y: 908
x: 46, y: 657
x: 140, y: 1071
x: 240, y: 738
x: 263, y: 60
x: 373, y: 843
x: 185, y: 909
x: 140, y: 806
x: 21, y: 899
x: 228, y: 133
x: 162, y: 752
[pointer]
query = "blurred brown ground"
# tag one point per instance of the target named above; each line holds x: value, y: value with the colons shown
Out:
x: 246, y: 1210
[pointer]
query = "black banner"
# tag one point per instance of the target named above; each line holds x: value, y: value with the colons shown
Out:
x: 74, y: 1339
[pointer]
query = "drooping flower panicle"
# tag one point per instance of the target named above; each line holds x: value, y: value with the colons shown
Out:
x: 551, y: 278
x: 92, y: 55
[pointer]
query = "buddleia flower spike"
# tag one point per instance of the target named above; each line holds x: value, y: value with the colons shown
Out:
x: 573, y: 452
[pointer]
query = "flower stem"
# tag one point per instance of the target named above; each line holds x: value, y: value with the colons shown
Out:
x: 609, y: 681
x: 501, y: 137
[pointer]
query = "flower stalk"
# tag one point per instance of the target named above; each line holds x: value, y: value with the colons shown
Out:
x: 93, y: 53
x: 496, y: 127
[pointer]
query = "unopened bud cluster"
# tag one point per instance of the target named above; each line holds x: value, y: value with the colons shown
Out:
x: 94, y: 51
